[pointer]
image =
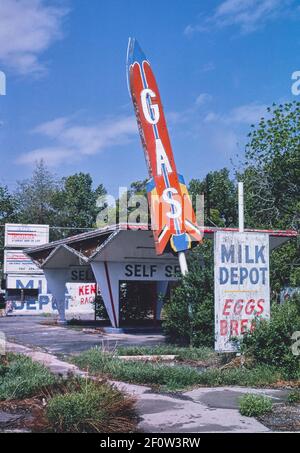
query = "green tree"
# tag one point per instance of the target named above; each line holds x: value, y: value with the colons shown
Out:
x: 271, y: 171
x: 138, y: 187
x: 284, y: 267
x: 125, y: 205
x: 188, y: 316
x: 7, y: 214
x: 220, y: 198
x: 76, y: 202
x: 34, y: 196
x: 271, y: 175
x: 7, y: 205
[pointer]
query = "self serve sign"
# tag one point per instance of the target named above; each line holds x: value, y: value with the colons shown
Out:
x: 242, y: 290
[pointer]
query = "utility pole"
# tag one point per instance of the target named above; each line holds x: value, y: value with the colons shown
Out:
x: 241, y: 206
x: 207, y: 197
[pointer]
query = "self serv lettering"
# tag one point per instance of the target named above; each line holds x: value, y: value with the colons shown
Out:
x: 253, y: 270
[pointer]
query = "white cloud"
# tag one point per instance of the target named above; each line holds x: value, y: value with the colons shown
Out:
x: 248, y: 15
x: 74, y: 141
x: 248, y: 113
x: 203, y: 98
x: 244, y: 114
x: 207, y: 67
x: 27, y: 29
x: 52, y: 155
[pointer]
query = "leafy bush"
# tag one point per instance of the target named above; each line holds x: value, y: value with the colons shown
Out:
x: 255, y: 405
x: 20, y: 377
x: 271, y: 341
x: 294, y: 397
x: 189, y: 316
x: 90, y: 407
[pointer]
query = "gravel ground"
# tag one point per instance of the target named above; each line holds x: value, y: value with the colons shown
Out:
x: 283, y: 417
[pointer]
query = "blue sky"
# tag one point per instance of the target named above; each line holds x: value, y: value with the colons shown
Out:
x: 218, y: 65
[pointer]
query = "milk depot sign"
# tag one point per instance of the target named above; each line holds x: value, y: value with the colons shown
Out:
x: 79, y: 296
x: 242, y: 292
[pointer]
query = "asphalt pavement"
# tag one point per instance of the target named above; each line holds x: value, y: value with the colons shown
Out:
x: 35, y: 331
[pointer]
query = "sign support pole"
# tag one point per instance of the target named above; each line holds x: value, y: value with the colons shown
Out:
x: 183, y: 263
x: 241, y: 206
x: 241, y: 215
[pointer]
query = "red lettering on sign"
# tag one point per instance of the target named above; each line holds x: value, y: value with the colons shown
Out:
x: 250, y: 306
x: 244, y: 326
x: 238, y: 307
x: 234, y: 328
x: 223, y: 327
x: 260, y: 305
x: 227, y: 307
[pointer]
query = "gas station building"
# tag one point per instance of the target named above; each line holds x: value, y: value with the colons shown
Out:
x: 117, y: 254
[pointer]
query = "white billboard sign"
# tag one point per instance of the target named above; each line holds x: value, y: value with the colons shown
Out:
x: 15, y: 261
x: 242, y: 292
x: 19, y: 235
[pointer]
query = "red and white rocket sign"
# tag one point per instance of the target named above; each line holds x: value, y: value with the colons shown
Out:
x: 173, y: 219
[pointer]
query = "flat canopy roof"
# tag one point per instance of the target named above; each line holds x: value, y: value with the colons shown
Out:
x: 121, y: 243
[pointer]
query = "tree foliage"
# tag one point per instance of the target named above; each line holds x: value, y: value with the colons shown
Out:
x: 271, y: 175
x: 220, y: 204
x: 34, y: 196
x: 189, y: 313
x: 272, y: 169
x: 69, y: 203
x: 271, y: 341
x: 76, y: 201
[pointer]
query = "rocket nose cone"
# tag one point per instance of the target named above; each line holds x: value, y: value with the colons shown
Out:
x: 134, y: 52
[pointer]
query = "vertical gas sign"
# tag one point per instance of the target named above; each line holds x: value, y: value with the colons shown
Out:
x: 242, y: 291
x: 173, y: 219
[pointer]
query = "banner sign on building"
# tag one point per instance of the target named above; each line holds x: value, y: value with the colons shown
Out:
x: 21, y: 281
x: 15, y: 261
x: 242, y: 292
x: 18, y: 235
x: 79, y: 296
x: 173, y: 219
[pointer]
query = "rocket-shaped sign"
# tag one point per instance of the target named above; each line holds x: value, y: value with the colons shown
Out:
x: 172, y: 216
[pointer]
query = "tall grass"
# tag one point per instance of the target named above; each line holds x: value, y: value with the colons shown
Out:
x: 172, y: 378
x: 85, y: 406
x: 20, y: 377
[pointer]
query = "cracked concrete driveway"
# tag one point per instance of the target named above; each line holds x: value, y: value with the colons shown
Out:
x: 202, y: 410
x: 196, y: 411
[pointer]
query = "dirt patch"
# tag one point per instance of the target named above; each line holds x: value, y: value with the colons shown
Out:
x: 283, y: 418
x: 286, y: 384
x: 23, y: 415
